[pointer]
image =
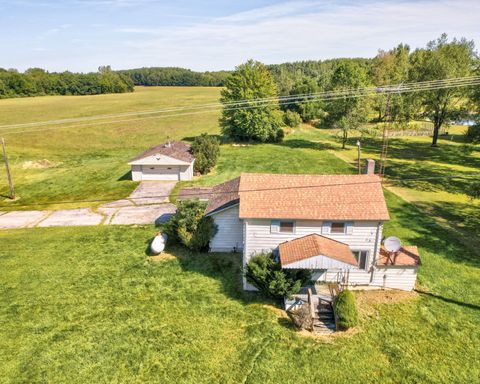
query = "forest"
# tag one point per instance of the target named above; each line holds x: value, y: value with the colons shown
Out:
x: 39, y: 82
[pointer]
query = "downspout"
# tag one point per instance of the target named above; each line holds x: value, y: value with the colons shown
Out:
x: 375, y: 252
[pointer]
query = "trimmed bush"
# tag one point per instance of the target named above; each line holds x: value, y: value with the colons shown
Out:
x: 291, y: 118
x: 206, y: 149
x: 264, y: 272
x: 345, y: 310
x: 189, y: 227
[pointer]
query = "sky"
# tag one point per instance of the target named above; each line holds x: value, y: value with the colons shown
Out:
x: 81, y: 35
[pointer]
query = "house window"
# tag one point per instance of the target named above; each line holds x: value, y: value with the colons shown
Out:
x: 361, y: 257
x: 338, y: 228
x: 287, y: 226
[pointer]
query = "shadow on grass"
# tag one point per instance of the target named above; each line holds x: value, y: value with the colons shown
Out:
x: 401, y: 148
x: 448, y: 300
x: 223, y: 267
x: 126, y: 176
x: 306, y: 144
x: 429, y: 235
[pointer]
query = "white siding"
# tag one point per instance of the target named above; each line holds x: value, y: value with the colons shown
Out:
x: 136, y: 172
x: 186, y: 172
x: 230, y: 231
x: 162, y: 172
x: 395, y: 277
x: 259, y: 237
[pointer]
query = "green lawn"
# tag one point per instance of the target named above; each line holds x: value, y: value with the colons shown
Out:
x: 90, y: 162
x: 86, y: 305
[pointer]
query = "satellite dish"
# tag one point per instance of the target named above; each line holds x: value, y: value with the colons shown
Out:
x: 392, y: 244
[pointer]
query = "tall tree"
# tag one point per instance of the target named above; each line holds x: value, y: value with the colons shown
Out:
x: 255, y: 120
x: 442, y: 59
x: 388, y: 68
x: 347, y: 113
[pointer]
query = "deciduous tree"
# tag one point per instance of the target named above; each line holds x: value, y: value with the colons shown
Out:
x: 443, y: 59
x: 254, y: 120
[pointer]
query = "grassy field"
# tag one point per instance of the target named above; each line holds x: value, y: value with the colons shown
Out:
x: 87, y: 305
x: 90, y: 162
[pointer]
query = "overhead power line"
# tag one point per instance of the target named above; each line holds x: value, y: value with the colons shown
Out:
x: 259, y: 103
x: 210, y: 193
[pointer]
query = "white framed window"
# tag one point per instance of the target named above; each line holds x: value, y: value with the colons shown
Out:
x: 338, y: 227
x: 362, y: 258
x: 287, y: 226
x: 282, y: 226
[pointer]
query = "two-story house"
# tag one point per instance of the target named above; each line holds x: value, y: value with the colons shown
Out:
x: 330, y: 224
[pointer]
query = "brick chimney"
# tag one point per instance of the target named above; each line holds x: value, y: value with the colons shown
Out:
x: 370, y: 167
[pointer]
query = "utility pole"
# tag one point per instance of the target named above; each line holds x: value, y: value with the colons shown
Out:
x: 383, y: 156
x: 358, y: 157
x: 7, y: 166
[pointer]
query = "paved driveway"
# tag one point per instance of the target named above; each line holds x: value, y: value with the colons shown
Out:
x: 148, y: 204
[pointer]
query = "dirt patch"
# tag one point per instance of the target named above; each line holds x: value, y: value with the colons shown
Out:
x: 367, y: 301
x: 377, y: 296
x: 39, y: 164
x: 162, y: 257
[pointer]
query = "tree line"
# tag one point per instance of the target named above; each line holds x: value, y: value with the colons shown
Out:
x: 173, y: 76
x: 38, y: 82
x: 440, y: 59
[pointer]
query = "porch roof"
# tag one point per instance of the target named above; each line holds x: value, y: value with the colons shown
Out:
x: 316, y: 252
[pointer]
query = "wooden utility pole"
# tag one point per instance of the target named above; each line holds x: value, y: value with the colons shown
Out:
x: 383, y: 156
x: 358, y: 157
x: 7, y: 166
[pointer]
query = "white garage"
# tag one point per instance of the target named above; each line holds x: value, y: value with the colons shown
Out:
x: 169, y: 161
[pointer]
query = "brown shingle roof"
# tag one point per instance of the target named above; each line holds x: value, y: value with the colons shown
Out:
x: 407, y: 256
x: 175, y: 149
x: 316, y: 197
x: 223, y: 196
x: 315, y: 245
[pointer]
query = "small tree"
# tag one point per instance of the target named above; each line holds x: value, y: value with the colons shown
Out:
x: 190, y: 227
x: 292, y: 119
x: 251, y: 119
x: 206, y: 149
x: 265, y: 273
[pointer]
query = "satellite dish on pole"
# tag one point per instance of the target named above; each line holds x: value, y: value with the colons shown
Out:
x: 392, y: 244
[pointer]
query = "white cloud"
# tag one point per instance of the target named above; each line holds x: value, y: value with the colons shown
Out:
x: 302, y: 30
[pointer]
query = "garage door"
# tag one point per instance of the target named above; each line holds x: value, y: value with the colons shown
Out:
x: 160, y: 172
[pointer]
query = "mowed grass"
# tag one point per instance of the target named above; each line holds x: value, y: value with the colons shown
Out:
x: 90, y: 159
x: 87, y: 305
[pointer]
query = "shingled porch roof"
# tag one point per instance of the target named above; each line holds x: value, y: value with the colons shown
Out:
x: 315, y: 252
